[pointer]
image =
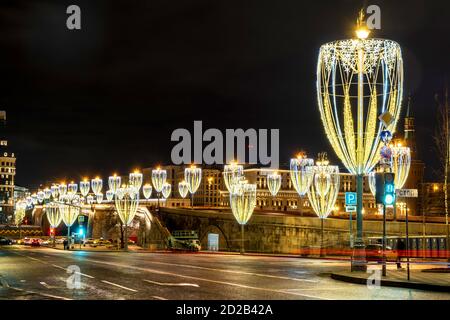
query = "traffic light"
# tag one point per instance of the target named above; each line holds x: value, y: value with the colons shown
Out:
x: 389, y: 189
x: 80, y: 231
x: 379, y: 188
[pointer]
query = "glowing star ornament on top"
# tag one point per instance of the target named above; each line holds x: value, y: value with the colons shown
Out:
x: 97, y: 185
x: 147, y: 191
x: 114, y: 183
x: 126, y: 204
x: 357, y: 81
x: 85, y: 186
x: 274, y: 182
x: 231, y: 175
x: 183, y: 188
x: 166, y: 189
x: 242, y: 202
x: 301, y: 173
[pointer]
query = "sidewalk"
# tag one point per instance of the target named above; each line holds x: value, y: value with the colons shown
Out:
x: 398, y: 278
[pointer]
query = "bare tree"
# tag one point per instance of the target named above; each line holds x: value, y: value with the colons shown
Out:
x: 442, y: 143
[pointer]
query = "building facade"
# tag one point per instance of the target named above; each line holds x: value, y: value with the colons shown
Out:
x: 7, y: 177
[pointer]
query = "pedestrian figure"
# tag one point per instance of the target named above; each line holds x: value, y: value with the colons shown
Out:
x: 65, y: 244
x: 400, y: 252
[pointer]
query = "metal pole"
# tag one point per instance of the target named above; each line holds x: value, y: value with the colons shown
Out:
x: 242, y: 239
x: 384, y: 240
x: 423, y: 233
x: 321, y: 238
x: 407, y: 242
x: 359, y: 259
x: 351, y: 229
x: 125, y: 245
x: 192, y: 201
x: 446, y: 245
x: 68, y: 237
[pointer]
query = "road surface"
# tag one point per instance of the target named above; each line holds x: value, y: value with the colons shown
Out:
x: 41, y: 273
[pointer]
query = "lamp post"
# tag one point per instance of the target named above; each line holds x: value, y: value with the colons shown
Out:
x: 373, y: 69
x: 19, y: 214
x: 242, y: 202
x: 69, y: 208
x: 193, y: 177
x: 54, y: 217
x: 232, y: 173
x: 159, y: 177
x: 147, y: 191
x: 400, y: 165
x: 166, y: 189
x: 301, y: 173
x: 126, y: 204
x: 273, y: 183
x: 323, y: 191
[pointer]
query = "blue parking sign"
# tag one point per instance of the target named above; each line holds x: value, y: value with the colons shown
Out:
x: 350, y: 198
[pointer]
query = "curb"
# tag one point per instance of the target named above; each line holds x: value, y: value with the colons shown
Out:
x: 393, y: 283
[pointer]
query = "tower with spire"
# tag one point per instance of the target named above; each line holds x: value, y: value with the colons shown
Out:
x: 409, y: 131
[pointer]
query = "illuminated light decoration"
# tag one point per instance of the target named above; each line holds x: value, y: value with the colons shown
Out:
x: 97, y: 185
x: 301, y: 173
x: 183, y: 188
x: 135, y: 179
x: 40, y: 196
x: 372, y: 183
x: 47, y: 193
x: 147, y: 191
x: 166, y: 189
x: 90, y: 199
x: 99, y: 197
x: 400, y: 164
x: 126, y: 204
x: 29, y: 201
x: 323, y: 193
x: 19, y: 212
x: 158, y: 179
x: 55, y: 191
x: 85, y: 186
x: 34, y: 199
x: 193, y: 177
x: 359, y: 77
x: 274, y: 183
x: 242, y: 202
x: 114, y: 183
x: 53, y: 214
x: 62, y: 189
x: 72, y: 189
x: 378, y: 66
x: 231, y: 175
x: 109, y: 195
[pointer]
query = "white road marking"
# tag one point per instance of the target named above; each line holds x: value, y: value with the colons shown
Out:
x: 206, y: 280
x: 173, y: 284
x: 233, y: 271
x: 46, y: 285
x: 159, y: 298
x: 118, y: 285
x: 40, y: 293
x: 83, y: 274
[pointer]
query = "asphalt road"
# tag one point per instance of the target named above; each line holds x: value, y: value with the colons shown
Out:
x: 41, y: 273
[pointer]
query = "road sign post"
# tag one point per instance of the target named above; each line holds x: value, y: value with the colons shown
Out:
x: 407, y: 193
x: 350, y: 207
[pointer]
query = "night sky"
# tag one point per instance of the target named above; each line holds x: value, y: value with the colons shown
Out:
x: 107, y: 98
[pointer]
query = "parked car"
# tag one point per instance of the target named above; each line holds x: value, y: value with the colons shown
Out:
x: 36, y: 242
x: 20, y: 241
x: 374, y: 252
x: 100, y: 242
x: 5, y: 241
x: 60, y: 240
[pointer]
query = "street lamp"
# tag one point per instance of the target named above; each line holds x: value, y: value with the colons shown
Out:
x: 69, y: 208
x: 19, y: 214
x: 323, y: 192
x: 159, y: 177
x: 193, y: 177
x: 242, y: 202
x: 85, y: 186
x: 97, y: 185
x: 183, y: 188
x: 126, y: 204
x: 366, y: 75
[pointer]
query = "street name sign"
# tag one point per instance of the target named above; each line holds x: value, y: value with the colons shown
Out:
x: 407, y: 193
x: 350, y: 208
